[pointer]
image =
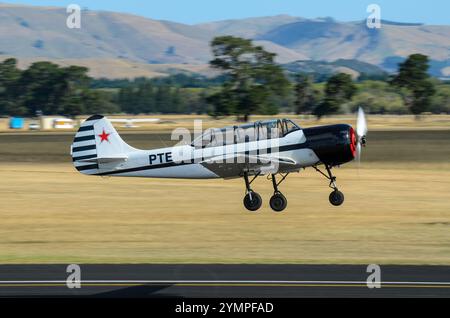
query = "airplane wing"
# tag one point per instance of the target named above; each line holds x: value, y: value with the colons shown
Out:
x: 230, y: 166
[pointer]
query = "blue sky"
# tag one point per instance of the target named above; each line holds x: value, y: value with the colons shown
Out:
x: 196, y: 11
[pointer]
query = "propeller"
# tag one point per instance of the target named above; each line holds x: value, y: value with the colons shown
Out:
x: 361, y: 132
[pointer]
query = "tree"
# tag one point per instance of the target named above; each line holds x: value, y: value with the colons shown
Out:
x: 98, y: 102
x: 123, y: 99
x: 252, y: 77
x: 74, y: 83
x: 144, y: 98
x: 378, y: 98
x: 179, y: 101
x: 413, y: 78
x: 9, y: 91
x: 339, y: 89
x: 51, y: 89
x: 163, y: 102
x: 305, y: 96
x: 223, y: 101
x: 42, y: 88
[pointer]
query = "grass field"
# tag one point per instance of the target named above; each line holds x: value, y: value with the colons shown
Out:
x: 397, y: 210
x: 51, y: 214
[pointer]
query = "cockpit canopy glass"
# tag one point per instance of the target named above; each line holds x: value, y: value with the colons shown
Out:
x: 261, y: 130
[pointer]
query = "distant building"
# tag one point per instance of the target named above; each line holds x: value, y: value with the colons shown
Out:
x: 56, y: 123
x: 16, y: 123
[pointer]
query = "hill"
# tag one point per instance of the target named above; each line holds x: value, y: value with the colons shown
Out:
x: 130, y: 43
x: 325, y: 69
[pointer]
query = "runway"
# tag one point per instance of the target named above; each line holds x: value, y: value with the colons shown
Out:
x: 235, y: 281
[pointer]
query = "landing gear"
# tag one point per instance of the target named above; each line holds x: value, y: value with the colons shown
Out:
x: 278, y: 201
x: 336, y: 197
x: 252, y: 200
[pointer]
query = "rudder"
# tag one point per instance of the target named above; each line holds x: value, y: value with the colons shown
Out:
x: 96, y: 143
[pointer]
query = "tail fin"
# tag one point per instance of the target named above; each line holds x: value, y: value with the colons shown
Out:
x: 97, y: 145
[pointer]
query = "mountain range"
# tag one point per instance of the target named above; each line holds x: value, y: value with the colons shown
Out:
x: 117, y: 45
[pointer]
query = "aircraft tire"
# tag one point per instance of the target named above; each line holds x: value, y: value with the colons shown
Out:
x: 336, y: 198
x: 253, y: 204
x: 278, y: 202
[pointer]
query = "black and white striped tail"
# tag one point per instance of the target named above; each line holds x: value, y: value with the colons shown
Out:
x: 84, y: 146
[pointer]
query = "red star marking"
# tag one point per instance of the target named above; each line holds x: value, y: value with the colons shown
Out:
x: 104, y: 136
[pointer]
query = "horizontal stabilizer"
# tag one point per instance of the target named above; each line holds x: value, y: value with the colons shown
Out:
x: 108, y: 159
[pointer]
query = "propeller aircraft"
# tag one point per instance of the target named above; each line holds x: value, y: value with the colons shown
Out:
x: 274, y: 148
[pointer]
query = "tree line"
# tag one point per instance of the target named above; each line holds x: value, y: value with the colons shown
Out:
x: 250, y: 83
x: 145, y: 96
x: 255, y: 82
x: 47, y: 88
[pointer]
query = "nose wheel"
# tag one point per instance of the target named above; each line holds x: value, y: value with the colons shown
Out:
x: 336, y: 197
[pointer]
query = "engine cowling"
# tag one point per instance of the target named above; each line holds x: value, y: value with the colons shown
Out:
x: 333, y: 144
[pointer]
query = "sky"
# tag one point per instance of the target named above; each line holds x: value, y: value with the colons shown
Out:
x: 197, y: 11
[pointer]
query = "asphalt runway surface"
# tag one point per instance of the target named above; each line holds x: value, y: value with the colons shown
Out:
x: 229, y: 281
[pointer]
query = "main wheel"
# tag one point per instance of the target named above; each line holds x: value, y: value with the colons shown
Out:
x: 336, y: 198
x: 278, y: 202
x: 254, y: 203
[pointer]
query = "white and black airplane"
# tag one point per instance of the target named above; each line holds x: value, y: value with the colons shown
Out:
x: 271, y: 147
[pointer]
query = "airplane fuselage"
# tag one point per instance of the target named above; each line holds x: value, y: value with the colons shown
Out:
x: 187, y: 161
x: 263, y: 148
x: 292, y: 151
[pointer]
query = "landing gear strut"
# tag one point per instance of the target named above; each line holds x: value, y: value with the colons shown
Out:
x: 278, y: 201
x: 252, y: 200
x: 336, y: 197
